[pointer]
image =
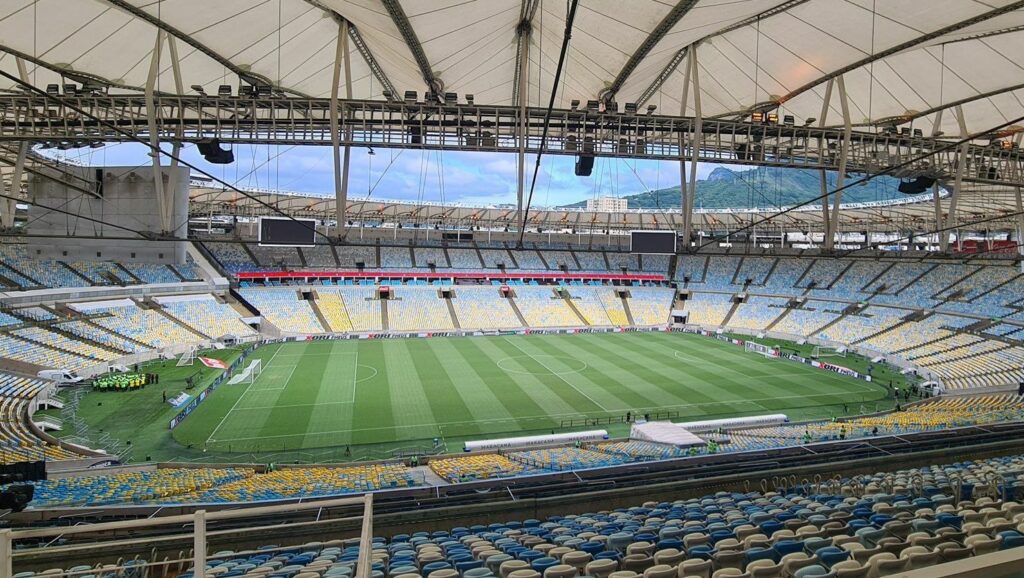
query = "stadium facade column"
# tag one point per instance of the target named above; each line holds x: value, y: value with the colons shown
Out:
x: 10, y: 206
x: 844, y: 155
x: 936, y: 200
x: 688, y: 189
x: 154, y: 133
x: 683, y: 183
x: 524, y: 66
x: 342, y: 157
x: 1020, y: 224
x: 958, y: 182
x: 179, y: 88
x: 826, y: 100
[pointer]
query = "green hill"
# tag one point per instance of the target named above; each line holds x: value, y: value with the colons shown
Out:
x: 761, y: 187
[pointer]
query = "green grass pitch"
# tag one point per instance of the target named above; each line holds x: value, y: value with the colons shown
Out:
x: 322, y: 394
x: 381, y: 396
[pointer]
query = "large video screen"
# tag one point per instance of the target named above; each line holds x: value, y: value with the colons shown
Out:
x: 652, y: 242
x: 284, y: 231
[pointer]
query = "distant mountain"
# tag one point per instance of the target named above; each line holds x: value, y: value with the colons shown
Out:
x: 761, y: 187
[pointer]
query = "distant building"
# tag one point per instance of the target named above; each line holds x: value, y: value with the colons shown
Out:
x: 607, y: 204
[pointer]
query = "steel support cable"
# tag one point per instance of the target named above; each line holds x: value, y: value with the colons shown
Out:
x: 547, y: 115
x: 157, y: 150
x: 825, y: 197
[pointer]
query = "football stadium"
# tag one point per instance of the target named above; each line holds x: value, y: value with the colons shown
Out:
x: 511, y: 289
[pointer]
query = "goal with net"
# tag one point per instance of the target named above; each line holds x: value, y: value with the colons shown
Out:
x: 188, y: 358
x: 760, y: 348
x: 827, y: 351
x: 249, y: 374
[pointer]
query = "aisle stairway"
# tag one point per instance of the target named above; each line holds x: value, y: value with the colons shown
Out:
x: 515, y: 309
x: 568, y: 301
x: 451, y: 311
x: 625, y: 306
x: 314, y: 304
x: 732, y: 311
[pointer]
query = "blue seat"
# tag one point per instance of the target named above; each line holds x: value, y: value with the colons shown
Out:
x: 756, y: 553
x: 830, y: 555
x: 670, y: 543
x: 468, y: 565
x: 1011, y: 539
x: 784, y: 547
x: 770, y: 527
x: 543, y: 563
x: 880, y: 520
x: 529, y: 555
x: 853, y: 525
x: 434, y: 566
x: 719, y: 535
x: 949, y: 520
x: 703, y: 552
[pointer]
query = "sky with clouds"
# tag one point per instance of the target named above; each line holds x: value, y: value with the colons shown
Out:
x: 410, y: 175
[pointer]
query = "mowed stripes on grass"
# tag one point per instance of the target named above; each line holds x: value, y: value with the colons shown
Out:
x: 350, y: 392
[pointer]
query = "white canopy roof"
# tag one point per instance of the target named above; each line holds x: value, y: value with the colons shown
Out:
x: 897, y: 57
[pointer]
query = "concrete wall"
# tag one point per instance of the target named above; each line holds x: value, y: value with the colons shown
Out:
x: 128, y: 200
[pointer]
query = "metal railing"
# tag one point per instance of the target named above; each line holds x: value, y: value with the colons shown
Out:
x: 195, y: 525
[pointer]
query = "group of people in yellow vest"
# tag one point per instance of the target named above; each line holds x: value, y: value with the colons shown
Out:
x: 123, y: 381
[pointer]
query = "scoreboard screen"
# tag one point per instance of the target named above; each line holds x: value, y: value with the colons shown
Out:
x: 652, y: 242
x: 287, y: 232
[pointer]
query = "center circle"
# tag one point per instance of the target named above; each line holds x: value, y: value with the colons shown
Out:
x: 575, y: 365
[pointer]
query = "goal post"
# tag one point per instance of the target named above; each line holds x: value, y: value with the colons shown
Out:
x: 252, y: 372
x: 828, y: 351
x: 760, y: 349
x: 188, y: 358
x: 249, y: 375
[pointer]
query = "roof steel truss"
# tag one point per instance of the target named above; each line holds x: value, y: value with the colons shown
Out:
x: 489, y: 128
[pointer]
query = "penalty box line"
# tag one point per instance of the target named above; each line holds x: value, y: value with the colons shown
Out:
x: 247, y: 387
x: 291, y: 372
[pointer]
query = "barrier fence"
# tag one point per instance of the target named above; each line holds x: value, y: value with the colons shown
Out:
x: 622, y: 418
x: 105, y: 536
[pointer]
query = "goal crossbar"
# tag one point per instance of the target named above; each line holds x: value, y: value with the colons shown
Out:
x: 828, y: 351
x: 760, y: 348
x: 249, y: 374
x: 188, y: 358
